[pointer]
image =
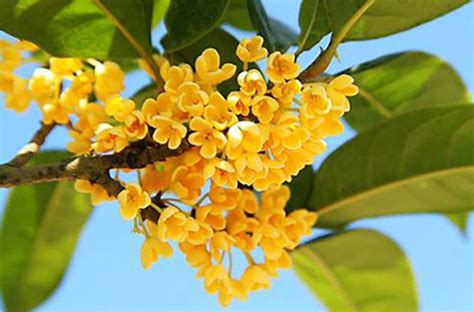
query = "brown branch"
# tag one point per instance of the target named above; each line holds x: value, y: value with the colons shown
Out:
x: 30, y: 149
x: 93, y: 168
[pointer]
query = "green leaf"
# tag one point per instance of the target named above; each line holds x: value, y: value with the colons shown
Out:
x: 188, y: 21
x: 220, y: 40
x: 81, y: 28
x: 400, y: 82
x: 41, y: 226
x: 320, y: 17
x: 278, y: 37
x: 460, y: 220
x: 237, y: 15
x: 421, y: 161
x: 359, y: 270
x: 301, y: 187
x: 159, y: 10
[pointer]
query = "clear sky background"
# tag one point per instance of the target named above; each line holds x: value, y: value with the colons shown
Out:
x: 105, y: 272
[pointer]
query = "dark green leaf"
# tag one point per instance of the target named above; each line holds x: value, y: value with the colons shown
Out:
x: 237, y: 15
x: 220, y: 40
x: 321, y: 17
x: 301, y: 187
x: 41, y: 226
x: 188, y: 21
x: 420, y: 161
x: 359, y: 270
x: 278, y: 37
x: 401, y: 82
x: 460, y: 220
x: 80, y: 28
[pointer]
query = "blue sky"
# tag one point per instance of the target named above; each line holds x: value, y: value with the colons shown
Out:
x: 105, y: 272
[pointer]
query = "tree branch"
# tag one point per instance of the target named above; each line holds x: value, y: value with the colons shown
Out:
x: 30, y: 149
x: 319, y: 65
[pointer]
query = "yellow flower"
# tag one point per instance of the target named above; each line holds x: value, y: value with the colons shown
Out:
x: 205, y: 136
x: 315, y: 100
x: 65, y: 66
x: 264, y: 108
x: 220, y: 242
x: 215, y: 278
x: 81, y: 84
x: 153, y: 248
x: 18, y: 98
x: 10, y: 56
x: 272, y: 265
x: 251, y: 82
x: 239, y: 103
x: 118, y: 107
x: 134, y: 126
x: 217, y: 112
x: 255, y: 278
x: 245, y: 135
x: 249, y: 167
x: 174, y: 225
x: 200, y: 236
x: 192, y: 99
x: 248, y: 202
x: 282, y: 67
x: 163, y: 105
x: 251, y: 50
x: 209, y: 70
x: 98, y: 193
x: 187, y: 184
x: 197, y: 256
x: 157, y: 177
x: 109, y: 80
x: 159, y: 60
x: 286, y: 91
x: 54, y: 111
x: 224, y: 198
x: 168, y: 131
x: 339, y: 89
x: 212, y: 215
x: 81, y: 143
x: 110, y: 138
x: 288, y: 132
x: 44, y: 85
x: 175, y: 76
x: 132, y: 199
x: 222, y: 173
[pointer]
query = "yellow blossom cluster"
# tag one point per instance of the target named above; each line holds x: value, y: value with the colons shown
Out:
x: 253, y: 139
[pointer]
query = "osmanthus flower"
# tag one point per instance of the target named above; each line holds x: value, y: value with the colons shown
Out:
x: 168, y: 131
x: 109, y: 80
x: 192, y: 99
x: 209, y: 139
x: 97, y: 193
x: 118, y: 107
x: 209, y: 70
x: 252, y: 83
x: 174, y: 225
x: 282, y: 67
x: 252, y: 139
x: 132, y: 199
x: 251, y: 50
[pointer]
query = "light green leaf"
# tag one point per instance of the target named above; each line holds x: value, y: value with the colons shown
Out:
x: 278, y: 36
x: 189, y: 21
x: 400, y: 82
x: 460, y: 220
x: 421, y: 161
x: 159, y: 10
x: 41, y: 226
x: 301, y: 187
x: 220, y: 40
x: 385, y: 17
x: 81, y: 28
x: 359, y: 270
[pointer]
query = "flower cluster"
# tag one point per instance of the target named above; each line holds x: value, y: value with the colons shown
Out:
x: 253, y: 139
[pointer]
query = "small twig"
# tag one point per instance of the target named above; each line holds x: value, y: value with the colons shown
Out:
x: 30, y: 149
x: 322, y: 62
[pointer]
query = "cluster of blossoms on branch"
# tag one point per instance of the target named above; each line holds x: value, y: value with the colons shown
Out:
x: 252, y: 139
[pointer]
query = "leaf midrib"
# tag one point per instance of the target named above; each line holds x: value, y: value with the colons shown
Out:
x: 388, y: 186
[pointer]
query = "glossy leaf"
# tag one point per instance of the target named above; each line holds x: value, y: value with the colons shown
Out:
x: 301, y: 187
x: 320, y: 17
x: 418, y: 162
x: 460, y: 220
x: 237, y: 15
x: 80, y: 28
x: 278, y: 37
x: 159, y: 10
x: 401, y: 82
x: 359, y: 270
x: 189, y: 21
x: 41, y: 226
x: 222, y: 41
